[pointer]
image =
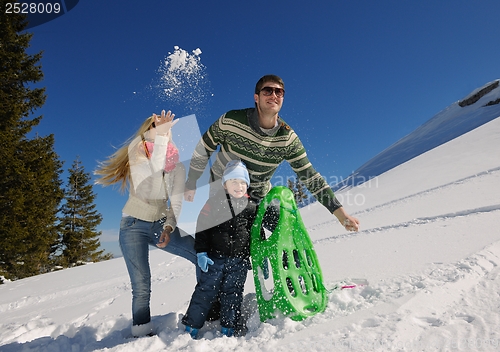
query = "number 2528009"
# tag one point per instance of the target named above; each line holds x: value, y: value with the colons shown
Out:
x: 32, y: 7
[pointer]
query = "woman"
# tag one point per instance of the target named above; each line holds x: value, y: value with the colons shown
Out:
x: 149, y: 167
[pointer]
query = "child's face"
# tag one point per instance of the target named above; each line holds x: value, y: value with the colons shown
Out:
x: 235, y: 187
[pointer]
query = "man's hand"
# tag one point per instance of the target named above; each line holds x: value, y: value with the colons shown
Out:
x: 350, y: 223
x: 189, y: 195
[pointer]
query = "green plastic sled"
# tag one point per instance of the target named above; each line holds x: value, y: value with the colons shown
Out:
x: 298, y: 291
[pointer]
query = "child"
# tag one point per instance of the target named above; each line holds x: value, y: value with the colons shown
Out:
x: 222, y: 245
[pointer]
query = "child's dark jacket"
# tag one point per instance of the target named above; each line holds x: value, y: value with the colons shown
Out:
x: 224, y: 226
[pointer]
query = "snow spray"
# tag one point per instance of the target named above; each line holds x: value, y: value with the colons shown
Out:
x: 183, y: 80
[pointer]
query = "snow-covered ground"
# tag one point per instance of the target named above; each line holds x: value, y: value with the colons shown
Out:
x: 429, y: 245
x: 448, y: 124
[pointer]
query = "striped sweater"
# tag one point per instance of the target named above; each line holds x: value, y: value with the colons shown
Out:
x: 239, y: 136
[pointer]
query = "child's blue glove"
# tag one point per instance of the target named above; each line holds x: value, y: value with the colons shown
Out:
x: 204, y: 261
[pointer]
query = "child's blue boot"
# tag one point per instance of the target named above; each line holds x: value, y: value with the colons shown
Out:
x: 227, y: 331
x: 192, y: 331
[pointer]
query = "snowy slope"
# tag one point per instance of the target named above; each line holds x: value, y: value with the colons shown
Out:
x: 429, y: 245
x: 480, y: 106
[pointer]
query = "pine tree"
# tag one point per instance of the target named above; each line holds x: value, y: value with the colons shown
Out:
x: 299, y: 191
x: 79, y: 240
x: 29, y: 168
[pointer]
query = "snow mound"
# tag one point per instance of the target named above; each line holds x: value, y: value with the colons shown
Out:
x: 454, y: 121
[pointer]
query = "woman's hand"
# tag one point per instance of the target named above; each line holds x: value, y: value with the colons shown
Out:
x: 164, y: 122
x: 164, y: 238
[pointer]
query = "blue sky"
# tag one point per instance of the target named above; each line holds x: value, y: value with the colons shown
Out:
x: 359, y: 75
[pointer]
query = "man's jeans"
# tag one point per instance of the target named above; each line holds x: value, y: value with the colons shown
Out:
x: 135, y: 238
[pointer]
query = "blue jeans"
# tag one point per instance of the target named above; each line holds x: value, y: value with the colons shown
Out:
x: 135, y: 238
x: 225, y: 278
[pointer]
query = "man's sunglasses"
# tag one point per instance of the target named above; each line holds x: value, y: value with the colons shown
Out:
x: 280, y: 92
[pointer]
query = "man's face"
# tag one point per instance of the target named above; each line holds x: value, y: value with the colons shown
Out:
x: 269, y: 103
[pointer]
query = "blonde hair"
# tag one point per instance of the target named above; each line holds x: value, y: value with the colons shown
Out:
x: 116, y: 169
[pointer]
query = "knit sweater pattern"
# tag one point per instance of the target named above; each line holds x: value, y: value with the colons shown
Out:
x: 239, y: 136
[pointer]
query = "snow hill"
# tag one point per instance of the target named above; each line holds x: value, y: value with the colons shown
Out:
x: 479, y: 107
x: 429, y: 246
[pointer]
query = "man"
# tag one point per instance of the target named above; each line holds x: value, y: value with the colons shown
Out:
x: 262, y: 140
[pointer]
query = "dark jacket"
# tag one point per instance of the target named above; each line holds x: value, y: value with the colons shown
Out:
x: 224, y: 226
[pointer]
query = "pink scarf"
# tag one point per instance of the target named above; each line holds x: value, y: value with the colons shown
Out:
x: 172, y: 155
